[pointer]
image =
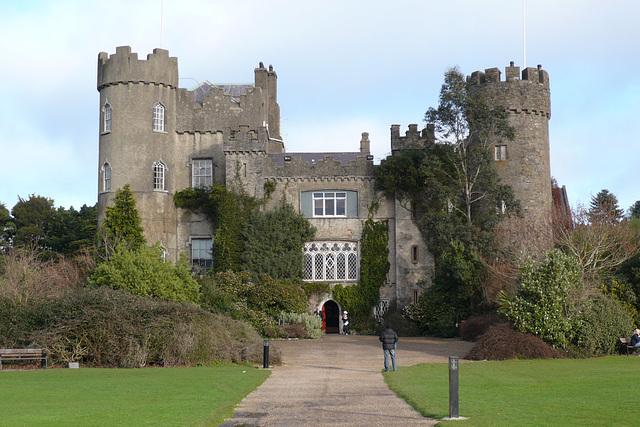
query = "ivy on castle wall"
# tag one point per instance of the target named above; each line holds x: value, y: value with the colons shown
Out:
x: 360, y: 299
x: 228, y: 213
x: 248, y: 239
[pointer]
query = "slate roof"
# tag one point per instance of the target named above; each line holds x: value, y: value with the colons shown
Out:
x: 311, y: 158
x: 229, y: 89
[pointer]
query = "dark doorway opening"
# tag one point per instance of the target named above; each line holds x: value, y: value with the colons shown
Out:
x: 331, y: 317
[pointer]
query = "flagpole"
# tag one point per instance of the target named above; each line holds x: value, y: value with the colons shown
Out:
x: 524, y: 34
x: 161, y: 24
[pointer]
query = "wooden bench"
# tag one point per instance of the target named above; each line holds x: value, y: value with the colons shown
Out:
x: 20, y: 354
x: 626, y: 344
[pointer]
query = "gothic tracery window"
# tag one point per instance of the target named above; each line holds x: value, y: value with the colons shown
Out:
x: 330, y: 261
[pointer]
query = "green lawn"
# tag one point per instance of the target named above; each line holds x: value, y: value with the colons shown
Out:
x: 599, y: 391
x: 150, y: 396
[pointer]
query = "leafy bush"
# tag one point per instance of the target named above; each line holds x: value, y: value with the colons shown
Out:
x: 258, y: 302
x: 434, y: 313
x: 403, y: 326
x: 311, y: 323
x: 110, y: 328
x: 602, y: 320
x: 542, y: 304
x: 502, y: 342
x: 142, y: 271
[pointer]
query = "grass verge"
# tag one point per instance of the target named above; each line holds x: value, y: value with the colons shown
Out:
x: 526, y: 392
x: 153, y: 396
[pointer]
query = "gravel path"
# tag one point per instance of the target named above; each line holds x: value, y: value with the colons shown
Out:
x: 337, y: 380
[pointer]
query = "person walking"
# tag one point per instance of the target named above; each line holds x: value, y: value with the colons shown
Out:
x: 389, y: 338
x: 345, y: 323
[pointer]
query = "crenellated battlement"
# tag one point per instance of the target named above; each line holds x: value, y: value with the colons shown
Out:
x: 525, y: 92
x: 125, y: 67
x: 242, y: 139
x: 512, y: 73
x: 413, y: 139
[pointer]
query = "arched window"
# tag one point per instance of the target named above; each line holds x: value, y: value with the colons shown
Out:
x: 107, y: 118
x: 158, y: 176
x: 158, y: 117
x: 106, y: 177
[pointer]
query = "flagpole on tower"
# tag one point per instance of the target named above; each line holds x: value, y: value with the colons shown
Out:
x: 161, y: 24
x: 524, y: 34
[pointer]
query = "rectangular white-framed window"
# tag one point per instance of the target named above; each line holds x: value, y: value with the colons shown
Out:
x: 202, y: 252
x: 158, y: 117
x: 500, y: 152
x: 107, y: 118
x: 159, y: 176
x: 201, y: 173
x: 330, y: 261
x: 329, y: 204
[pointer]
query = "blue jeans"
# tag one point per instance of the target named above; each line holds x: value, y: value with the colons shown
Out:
x: 391, y: 352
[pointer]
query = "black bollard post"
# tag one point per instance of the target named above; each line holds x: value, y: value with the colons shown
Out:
x: 453, y: 388
x: 265, y: 357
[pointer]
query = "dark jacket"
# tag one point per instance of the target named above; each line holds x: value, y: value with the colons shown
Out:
x: 389, y: 338
x: 635, y: 339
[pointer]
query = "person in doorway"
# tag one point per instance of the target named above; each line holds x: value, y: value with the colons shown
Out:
x: 319, y: 313
x: 635, y: 339
x: 389, y: 339
x: 345, y: 323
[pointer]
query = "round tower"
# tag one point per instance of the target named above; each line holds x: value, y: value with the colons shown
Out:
x: 137, y: 131
x: 523, y: 162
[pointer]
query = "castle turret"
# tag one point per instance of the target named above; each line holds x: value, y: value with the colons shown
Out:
x: 524, y: 162
x: 137, y: 130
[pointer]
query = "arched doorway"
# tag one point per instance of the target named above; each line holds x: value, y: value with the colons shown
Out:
x: 331, y: 321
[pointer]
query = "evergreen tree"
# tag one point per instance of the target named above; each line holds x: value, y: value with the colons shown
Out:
x: 634, y: 210
x: 604, y: 208
x: 122, y: 223
x: 72, y: 230
x: 32, y: 220
x: 273, y: 243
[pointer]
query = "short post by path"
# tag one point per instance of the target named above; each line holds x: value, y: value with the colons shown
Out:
x: 265, y: 362
x: 454, y: 411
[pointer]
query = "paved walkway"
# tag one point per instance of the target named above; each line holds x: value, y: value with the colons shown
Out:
x: 337, y: 380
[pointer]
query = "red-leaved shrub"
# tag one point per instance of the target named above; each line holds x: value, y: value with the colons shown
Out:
x: 502, y: 342
x: 475, y: 326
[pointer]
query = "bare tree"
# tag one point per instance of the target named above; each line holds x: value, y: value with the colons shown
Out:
x: 599, y: 245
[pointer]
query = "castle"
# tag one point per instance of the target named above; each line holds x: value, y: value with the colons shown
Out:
x: 160, y: 139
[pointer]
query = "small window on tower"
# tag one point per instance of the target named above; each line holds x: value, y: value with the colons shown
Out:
x: 500, y: 153
x: 414, y: 254
x: 107, y: 118
x: 158, y: 117
x: 158, y: 176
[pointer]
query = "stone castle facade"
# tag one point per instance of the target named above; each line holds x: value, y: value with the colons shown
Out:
x: 160, y: 139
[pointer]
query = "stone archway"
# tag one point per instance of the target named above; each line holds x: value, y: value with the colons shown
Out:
x: 331, y: 317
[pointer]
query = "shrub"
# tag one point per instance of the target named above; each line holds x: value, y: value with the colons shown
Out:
x: 403, y: 326
x: 502, y: 342
x: 602, y: 320
x: 310, y: 322
x: 26, y: 279
x: 542, y: 304
x: 477, y: 325
x: 110, y: 328
x: 142, y: 271
x: 258, y: 302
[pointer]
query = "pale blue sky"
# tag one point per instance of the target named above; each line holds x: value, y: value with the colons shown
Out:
x: 344, y: 67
